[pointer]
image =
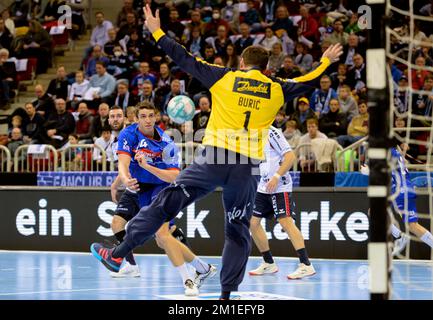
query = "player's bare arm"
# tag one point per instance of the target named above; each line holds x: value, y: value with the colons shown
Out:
x: 125, y: 176
x: 167, y: 175
x: 289, y: 159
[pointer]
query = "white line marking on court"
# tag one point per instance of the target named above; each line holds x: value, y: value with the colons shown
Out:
x: 84, y: 267
x: 34, y: 268
x: 10, y: 269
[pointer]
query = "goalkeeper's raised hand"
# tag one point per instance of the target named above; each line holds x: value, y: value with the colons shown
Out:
x: 333, y: 53
x: 152, y: 22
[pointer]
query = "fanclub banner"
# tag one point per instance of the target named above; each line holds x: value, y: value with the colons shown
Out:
x: 334, y: 224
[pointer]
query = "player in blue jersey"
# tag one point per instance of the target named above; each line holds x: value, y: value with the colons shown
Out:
x: 405, y: 202
x: 148, y: 162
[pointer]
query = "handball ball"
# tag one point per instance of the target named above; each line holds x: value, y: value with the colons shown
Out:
x: 181, y: 109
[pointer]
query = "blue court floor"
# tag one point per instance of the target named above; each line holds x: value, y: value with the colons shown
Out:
x: 67, y: 276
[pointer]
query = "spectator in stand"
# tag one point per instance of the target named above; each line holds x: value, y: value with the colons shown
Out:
x: 20, y: 11
x: 74, y: 155
x: 423, y: 103
x: 175, y: 28
x: 97, y: 56
x: 210, y: 29
x: 111, y: 43
x: 175, y: 90
x: 302, y: 114
x: 100, y: 120
x: 58, y: 87
x: 58, y: 126
x: 44, y: 104
x: 353, y: 26
x: 83, y: 127
x: 321, y: 98
x: 306, y: 156
x: 356, y: 76
x: 78, y: 90
x: 6, y: 36
x: 334, y: 123
x: 268, y: 40
x: 196, y: 23
x: 104, y: 81
x: 351, y: 49
x: 221, y: 41
x: 136, y: 47
x: 348, y: 104
x: 123, y: 98
x: 303, y: 59
x: 280, y: 120
x: 196, y: 43
x: 252, y: 17
x: 245, y: 40
x: 231, y: 59
x: 289, y: 70
x: 418, y: 75
x: 308, y: 26
x: 100, y: 32
x: 15, y: 141
x: 78, y: 24
x: 32, y: 124
x: 339, y: 78
x: 209, y: 54
x: 131, y: 116
x: 282, y: 23
x: 17, y: 122
x: 51, y: 10
x: 131, y: 24
x: 8, y: 76
x: 338, y: 35
x: 401, y: 95
x: 358, y: 127
x: 9, y: 23
x: 127, y: 8
x: 276, y: 58
x: 292, y: 133
x: 230, y: 13
x: 104, y: 142
x: 37, y: 44
x: 201, y: 119
x: 144, y: 74
x: 119, y: 65
x: 147, y: 93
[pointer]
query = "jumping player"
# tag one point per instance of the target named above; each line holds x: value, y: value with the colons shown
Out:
x: 147, y: 164
x: 404, y: 203
x: 273, y: 199
x: 245, y: 103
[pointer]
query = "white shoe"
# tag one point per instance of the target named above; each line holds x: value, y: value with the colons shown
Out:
x: 302, y: 271
x: 201, y: 277
x: 400, y: 244
x: 264, y: 268
x: 127, y: 271
x: 191, y: 289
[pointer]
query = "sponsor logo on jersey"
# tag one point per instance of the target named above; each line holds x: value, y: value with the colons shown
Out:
x: 252, y: 87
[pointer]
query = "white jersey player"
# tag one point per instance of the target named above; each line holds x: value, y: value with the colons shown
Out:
x: 274, y: 200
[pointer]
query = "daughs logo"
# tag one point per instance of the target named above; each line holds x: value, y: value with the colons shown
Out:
x: 252, y: 87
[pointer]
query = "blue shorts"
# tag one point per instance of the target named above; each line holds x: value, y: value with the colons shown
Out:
x: 130, y: 203
x: 410, y: 215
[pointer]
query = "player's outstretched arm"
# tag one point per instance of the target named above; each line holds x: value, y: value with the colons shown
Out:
x: 166, y: 175
x: 206, y: 73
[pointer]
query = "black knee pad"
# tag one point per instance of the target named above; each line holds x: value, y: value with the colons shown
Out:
x: 179, y: 235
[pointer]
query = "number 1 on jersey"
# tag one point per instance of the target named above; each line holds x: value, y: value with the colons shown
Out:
x: 247, y: 119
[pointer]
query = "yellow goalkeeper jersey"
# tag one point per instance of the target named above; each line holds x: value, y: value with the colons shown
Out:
x: 244, y: 102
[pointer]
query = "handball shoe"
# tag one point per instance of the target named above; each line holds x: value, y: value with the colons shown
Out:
x: 191, y: 289
x: 127, y: 271
x: 103, y: 254
x: 302, y: 271
x: 201, y: 277
x: 264, y: 268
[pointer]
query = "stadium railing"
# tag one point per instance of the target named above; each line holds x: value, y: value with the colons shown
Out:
x: 352, y: 157
x: 5, y: 159
x: 81, y: 157
x: 34, y: 158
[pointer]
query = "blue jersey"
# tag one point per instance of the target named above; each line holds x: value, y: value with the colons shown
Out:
x: 400, y: 175
x: 160, y: 152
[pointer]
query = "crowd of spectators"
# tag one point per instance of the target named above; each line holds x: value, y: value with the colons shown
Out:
x: 123, y: 66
